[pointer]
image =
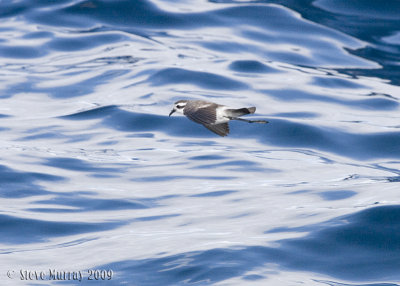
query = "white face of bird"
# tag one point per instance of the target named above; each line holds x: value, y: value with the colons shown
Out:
x: 178, y: 107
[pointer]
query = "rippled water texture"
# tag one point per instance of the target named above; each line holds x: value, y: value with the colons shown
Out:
x: 94, y: 175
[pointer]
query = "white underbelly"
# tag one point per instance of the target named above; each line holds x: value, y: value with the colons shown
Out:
x: 221, y: 116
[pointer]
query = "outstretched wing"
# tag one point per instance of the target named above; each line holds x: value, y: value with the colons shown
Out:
x: 221, y: 129
x: 204, y: 114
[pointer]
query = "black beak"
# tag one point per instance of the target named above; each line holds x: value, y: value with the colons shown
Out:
x: 172, y: 111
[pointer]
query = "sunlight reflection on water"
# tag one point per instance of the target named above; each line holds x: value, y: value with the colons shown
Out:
x: 94, y: 171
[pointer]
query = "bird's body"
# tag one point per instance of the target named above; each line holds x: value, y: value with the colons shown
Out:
x: 213, y: 116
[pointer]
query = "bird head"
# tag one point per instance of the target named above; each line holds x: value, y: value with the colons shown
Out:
x: 178, y: 107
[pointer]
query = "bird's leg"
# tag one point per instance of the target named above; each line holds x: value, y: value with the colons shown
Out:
x: 249, y: 121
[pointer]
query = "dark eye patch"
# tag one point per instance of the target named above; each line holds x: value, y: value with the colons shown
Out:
x: 180, y: 106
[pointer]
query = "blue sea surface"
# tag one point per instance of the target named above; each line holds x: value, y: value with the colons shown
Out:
x: 99, y: 186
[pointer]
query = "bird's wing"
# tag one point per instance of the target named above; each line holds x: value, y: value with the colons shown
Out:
x: 203, y: 115
x: 221, y: 129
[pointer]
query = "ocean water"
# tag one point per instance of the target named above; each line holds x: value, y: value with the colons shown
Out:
x: 99, y: 186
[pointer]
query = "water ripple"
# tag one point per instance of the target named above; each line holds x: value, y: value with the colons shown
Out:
x: 325, y: 250
x: 94, y: 171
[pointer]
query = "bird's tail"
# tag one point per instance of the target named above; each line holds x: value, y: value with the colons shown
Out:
x: 241, y: 111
